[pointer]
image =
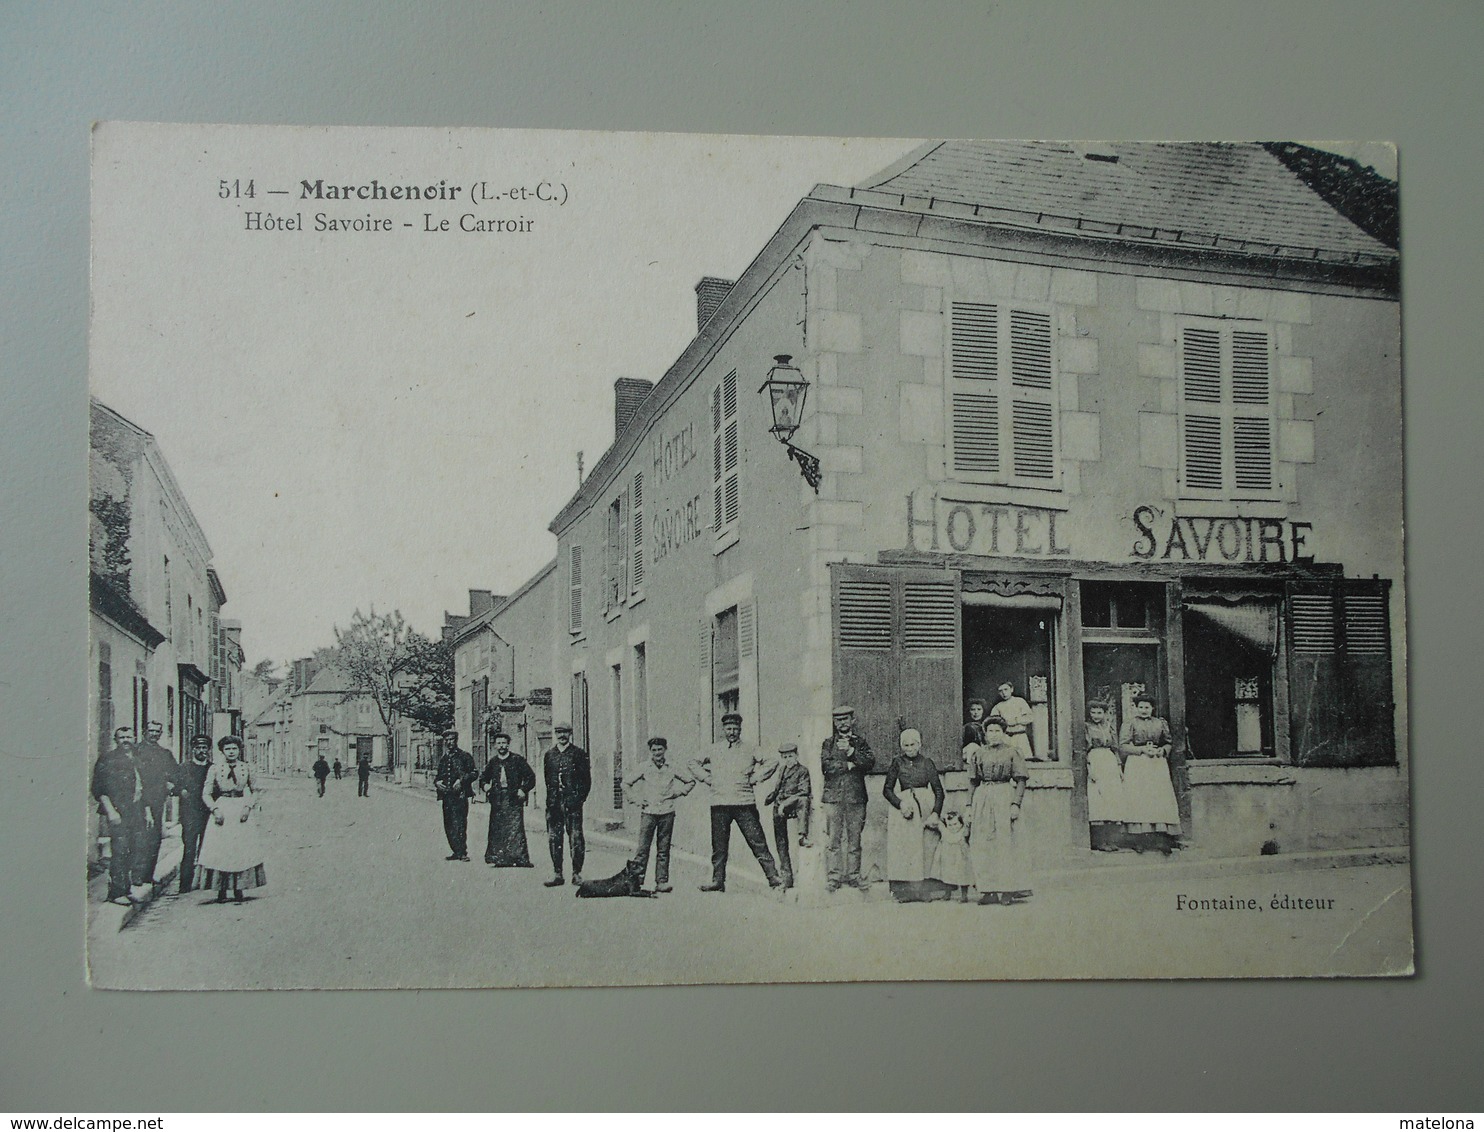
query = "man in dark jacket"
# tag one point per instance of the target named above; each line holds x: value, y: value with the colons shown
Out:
x: 792, y: 796
x: 117, y: 788
x: 321, y: 772
x: 845, y: 759
x: 454, y: 779
x: 363, y: 775
x: 157, y: 767
x: 190, y: 778
x: 569, y: 777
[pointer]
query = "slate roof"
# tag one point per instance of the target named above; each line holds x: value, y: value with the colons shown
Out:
x: 1222, y: 194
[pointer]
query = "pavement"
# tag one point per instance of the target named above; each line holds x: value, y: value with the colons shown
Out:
x: 360, y: 894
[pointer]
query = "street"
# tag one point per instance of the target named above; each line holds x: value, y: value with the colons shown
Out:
x: 359, y: 895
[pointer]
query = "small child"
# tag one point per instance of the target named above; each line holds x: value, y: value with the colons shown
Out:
x: 951, y: 857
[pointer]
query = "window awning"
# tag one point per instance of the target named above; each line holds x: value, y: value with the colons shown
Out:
x: 1254, y: 619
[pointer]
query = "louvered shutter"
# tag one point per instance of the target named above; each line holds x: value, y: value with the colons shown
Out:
x: 1003, y: 400
x: 1033, y: 415
x: 621, y: 552
x: 897, y: 656
x: 705, y: 714
x: 731, y: 451
x: 716, y: 461
x: 1227, y: 412
x: 930, y: 683
x: 747, y: 674
x: 1340, y: 679
x: 636, y: 527
x: 574, y: 588
x: 975, y: 394
x: 1370, y: 707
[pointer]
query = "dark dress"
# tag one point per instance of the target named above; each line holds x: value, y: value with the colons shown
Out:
x: 912, y: 787
x: 507, y: 783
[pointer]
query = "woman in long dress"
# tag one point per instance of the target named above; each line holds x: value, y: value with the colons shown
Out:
x: 231, y: 851
x: 1105, y: 794
x: 1152, y: 814
x: 999, y: 853
x: 507, y: 781
x: 915, y: 794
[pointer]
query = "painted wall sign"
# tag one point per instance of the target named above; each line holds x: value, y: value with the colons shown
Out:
x: 987, y: 528
x: 1175, y: 538
x: 674, y: 527
x: 669, y: 454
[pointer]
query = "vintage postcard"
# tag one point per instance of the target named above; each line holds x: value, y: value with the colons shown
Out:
x: 529, y: 558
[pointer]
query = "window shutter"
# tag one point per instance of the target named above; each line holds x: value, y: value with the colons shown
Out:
x: 747, y: 676
x: 621, y: 552
x: 705, y: 726
x: 1226, y: 404
x: 974, y: 345
x: 1340, y: 679
x: 636, y: 526
x: 574, y: 588
x: 1019, y: 445
x: 897, y: 656
x: 725, y: 455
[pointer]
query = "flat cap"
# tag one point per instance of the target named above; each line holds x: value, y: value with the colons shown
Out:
x: 732, y: 717
x: 843, y: 710
x: 785, y: 748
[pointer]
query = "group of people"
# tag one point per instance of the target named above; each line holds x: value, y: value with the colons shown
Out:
x: 322, y: 769
x: 218, y: 806
x: 1131, y: 801
x: 929, y: 854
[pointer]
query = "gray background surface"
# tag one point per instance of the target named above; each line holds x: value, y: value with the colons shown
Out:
x: 1409, y: 73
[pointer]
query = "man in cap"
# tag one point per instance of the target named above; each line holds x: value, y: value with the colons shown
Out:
x: 792, y: 796
x: 363, y: 774
x: 844, y: 759
x: 656, y: 785
x: 733, y: 770
x: 569, y: 777
x: 157, y: 769
x: 117, y: 788
x: 190, y: 779
x: 453, y: 781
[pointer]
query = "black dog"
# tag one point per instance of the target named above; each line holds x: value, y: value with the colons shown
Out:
x: 627, y: 882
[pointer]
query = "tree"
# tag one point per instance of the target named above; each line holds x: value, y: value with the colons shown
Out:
x: 424, y: 693
x: 264, y: 669
x: 374, y: 652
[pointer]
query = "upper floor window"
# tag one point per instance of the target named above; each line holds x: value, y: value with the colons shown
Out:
x: 574, y: 589
x: 616, y: 554
x: 1227, y: 424
x: 636, y: 535
x: 1003, y: 395
x: 725, y: 457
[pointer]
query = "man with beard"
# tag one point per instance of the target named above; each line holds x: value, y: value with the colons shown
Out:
x: 190, y: 777
x: 569, y: 778
x: 157, y: 769
x: 507, y: 781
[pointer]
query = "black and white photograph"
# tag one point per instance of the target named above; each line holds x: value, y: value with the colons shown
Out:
x: 534, y: 558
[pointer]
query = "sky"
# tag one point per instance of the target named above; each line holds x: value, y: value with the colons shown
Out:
x: 390, y: 418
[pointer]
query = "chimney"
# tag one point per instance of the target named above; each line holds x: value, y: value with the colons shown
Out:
x: 479, y: 601
x: 710, y: 291
x: 628, y: 395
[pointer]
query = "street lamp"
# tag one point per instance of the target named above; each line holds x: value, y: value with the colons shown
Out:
x: 787, y: 391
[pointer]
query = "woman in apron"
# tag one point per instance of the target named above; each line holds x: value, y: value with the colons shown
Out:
x: 915, y: 794
x: 1105, y: 796
x: 231, y: 852
x: 998, y: 850
x: 1152, y: 815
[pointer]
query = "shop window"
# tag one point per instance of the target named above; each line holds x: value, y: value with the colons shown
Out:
x: 1003, y: 395
x: 1227, y: 422
x: 1231, y: 652
x: 725, y: 459
x: 898, y: 657
x: 1121, y: 605
x: 1340, y: 677
x: 1123, y: 647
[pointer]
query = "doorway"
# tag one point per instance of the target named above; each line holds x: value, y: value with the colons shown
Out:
x: 1012, y: 646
